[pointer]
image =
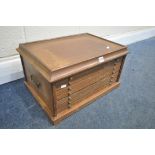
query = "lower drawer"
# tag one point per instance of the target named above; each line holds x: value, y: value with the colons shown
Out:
x: 88, y: 91
x: 62, y: 105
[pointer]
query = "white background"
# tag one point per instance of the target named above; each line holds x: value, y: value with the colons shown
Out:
x: 77, y: 12
x: 12, y: 36
x: 73, y: 13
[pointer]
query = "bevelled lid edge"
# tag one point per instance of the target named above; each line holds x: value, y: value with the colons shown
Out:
x: 74, y: 69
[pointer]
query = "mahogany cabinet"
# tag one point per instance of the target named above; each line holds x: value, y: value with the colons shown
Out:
x: 67, y: 73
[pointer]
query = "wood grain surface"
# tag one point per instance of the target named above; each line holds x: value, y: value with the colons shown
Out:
x: 66, y: 74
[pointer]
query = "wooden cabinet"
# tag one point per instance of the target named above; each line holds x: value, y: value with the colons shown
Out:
x: 67, y: 73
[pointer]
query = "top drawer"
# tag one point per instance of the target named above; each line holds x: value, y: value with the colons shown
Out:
x: 84, y: 79
x: 61, y: 89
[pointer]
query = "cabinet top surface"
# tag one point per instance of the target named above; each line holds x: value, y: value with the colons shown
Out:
x: 67, y: 51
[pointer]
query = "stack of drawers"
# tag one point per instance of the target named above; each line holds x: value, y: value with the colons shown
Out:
x: 80, y: 86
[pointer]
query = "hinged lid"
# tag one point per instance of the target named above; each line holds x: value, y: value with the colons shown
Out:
x: 60, y: 54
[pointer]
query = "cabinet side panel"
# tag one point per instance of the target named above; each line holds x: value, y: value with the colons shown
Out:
x: 41, y: 86
x: 22, y: 61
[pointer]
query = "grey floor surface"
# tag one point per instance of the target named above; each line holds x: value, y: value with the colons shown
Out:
x: 130, y: 106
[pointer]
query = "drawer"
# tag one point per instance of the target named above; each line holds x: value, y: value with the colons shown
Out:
x: 88, y: 91
x: 61, y: 89
x: 62, y: 104
x: 90, y: 80
x: 76, y: 97
x: 89, y: 73
x: 83, y: 80
x: 61, y: 93
x: 60, y: 84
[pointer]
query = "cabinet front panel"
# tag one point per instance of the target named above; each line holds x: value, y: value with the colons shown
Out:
x: 78, y: 87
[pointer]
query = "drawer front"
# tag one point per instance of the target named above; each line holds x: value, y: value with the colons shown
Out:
x: 61, y: 89
x: 82, y: 85
x: 91, y: 72
x: 88, y: 91
x: 89, y: 79
x: 62, y: 104
x: 85, y: 83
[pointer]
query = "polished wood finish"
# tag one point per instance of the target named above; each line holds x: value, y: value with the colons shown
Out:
x: 65, y: 74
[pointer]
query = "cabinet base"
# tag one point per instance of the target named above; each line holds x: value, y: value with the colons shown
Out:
x: 74, y: 108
